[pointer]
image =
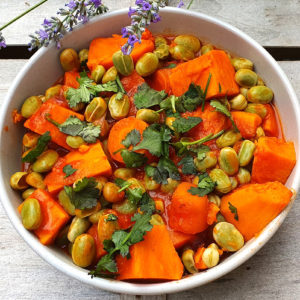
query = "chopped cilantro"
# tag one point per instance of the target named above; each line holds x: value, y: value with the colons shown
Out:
x: 170, y: 66
x: 223, y: 109
x: 133, y: 159
x: 132, y: 138
x: 147, y: 97
x: 188, y: 165
x: 133, y: 195
x: 233, y: 209
x: 84, y: 194
x: 111, y: 218
x: 182, y: 125
x: 205, y: 186
x: 68, y: 170
x: 42, y: 142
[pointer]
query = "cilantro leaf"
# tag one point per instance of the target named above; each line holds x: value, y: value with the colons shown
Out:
x: 182, y: 125
x: 139, y: 229
x: 147, y: 204
x: 223, y: 109
x: 205, y: 186
x: 233, y: 209
x: 72, y: 126
x: 42, y: 142
x: 133, y: 159
x: 111, y: 217
x: 133, y: 195
x: 188, y: 165
x: 106, y: 263
x: 90, y: 133
x: 170, y: 66
x: 87, y: 88
x: 155, y: 138
x: 165, y: 169
x: 68, y: 170
x: 84, y: 194
x: 147, y: 97
x: 132, y: 138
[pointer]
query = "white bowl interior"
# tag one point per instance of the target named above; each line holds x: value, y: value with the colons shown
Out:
x: 43, y: 69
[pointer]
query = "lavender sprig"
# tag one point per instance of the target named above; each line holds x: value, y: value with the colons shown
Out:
x: 76, y: 12
x: 2, y: 41
x: 141, y: 17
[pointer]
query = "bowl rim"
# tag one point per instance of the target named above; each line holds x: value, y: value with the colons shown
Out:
x: 190, y: 282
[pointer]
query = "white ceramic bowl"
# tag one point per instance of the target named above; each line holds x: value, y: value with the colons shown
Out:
x: 43, y: 69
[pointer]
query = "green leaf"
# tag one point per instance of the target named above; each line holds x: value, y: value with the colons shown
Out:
x: 72, y: 126
x: 90, y: 133
x: 170, y: 66
x: 154, y: 139
x: 111, y: 218
x: 106, y: 263
x: 223, y: 109
x: 147, y: 204
x: 233, y: 209
x: 42, y: 143
x: 182, y: 125
x: 188, y: 165
x: 133, y: 195
x: 85, y: 194
x: 139, y: 229
x: 133, y: 159
x: 68, y: 170
x: 147, y: 97
x: 132, y: 138
x: 205, y: 186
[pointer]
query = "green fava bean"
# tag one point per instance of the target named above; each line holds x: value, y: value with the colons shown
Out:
x: 125, y: 207
x: 147, y: 64
x: 188, y: 41
x: 162, y: 52
x: 156, y: 220
x: 74, y: 141
x: 69, y: 60
x: 246, y: 152
x: 242, y: 63
x: 209, y: 161
x: 188, y: 261
x: 30, y: 106
x: 123, y: 63
x: 52, y: 91
x: 78, y: 227
x: 124, y: 173
x: 246, y: 78
x: 169, y: 187
x: 228, y: 160
x: 35, y: 180
x: 180, y: 52
x: 31, y: 214
x: 83, y: 250
x: 27, y: 193
x: 147, y: 115
x: 150, y: 183
x: 66, y: 203
x: 206, y: 48
x: 83, y: 55
x: 228, y: 237
x: 239, y: 102
x: 228, y: 138
x: 159, y: 40
x: 222, y: 180
x: 30, y: 139
x: 45, y: 161
x: 260, y: 94
x: 98, y: 73
x: 110, y: 75
x: 234, y: 182
x: 243, y: 176
x: 18, y: 181
x: 94, y: 218
x: 210, y: 257
x: 244, y: 91
x: 214, y: 199
x: 95, y: 110
x: 256, y: 108
x: 119, y: 109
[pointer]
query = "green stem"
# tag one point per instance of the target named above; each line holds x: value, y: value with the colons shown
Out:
x: 23, y: 14
x: 48, y: 118
x: 205, y: 139
x: 191, y: 2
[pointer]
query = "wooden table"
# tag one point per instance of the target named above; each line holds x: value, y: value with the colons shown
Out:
x: 273, y: 273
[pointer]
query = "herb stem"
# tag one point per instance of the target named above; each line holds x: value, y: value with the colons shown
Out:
x: 23, y: 14
x: 204, y: 140
x: 190, y: 4
x: 48, y: 118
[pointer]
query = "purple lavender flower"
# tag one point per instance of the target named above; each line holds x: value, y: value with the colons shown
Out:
x: 156, y: 18
x: 139, y: 2
x: 46, y: 23
x: 2, y: 41
x: 131, y: 11
x: 146, y: 6
x: 96, y: 3
x: 180, y: 4
x: 132, y: 39
x: 43, y: 34
x: 71, y: 4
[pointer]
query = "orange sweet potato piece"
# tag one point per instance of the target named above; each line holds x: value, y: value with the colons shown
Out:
x: 187, y: 213
x: 119, y: 132
x: 213, y: 209
x: 38, y: 123
x: 216, y: 63
x: 257, y: 205
x: 70, y: 79
x: 179, y: 238
x: 93, y: 231
x: 246, y: 122
x: 270, y: 125
x: 212, y: 122
x: 160, y: 80
x: 155, y: 258
x: 102, y: 49
x: 274, y: 160
x: 90, y: 162
x: 54, y: 217
x: 199, y: 264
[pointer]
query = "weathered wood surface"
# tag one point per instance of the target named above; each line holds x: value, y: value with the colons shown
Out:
x: 273, y: 273
x: 271, y: 23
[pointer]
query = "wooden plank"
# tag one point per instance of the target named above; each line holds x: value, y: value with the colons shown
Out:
x: 271, y: 23
x: 273, y: 273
